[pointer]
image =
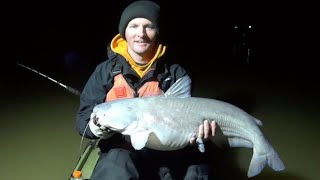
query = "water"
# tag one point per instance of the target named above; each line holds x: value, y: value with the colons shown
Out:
x: 39, y: 140
x: 37, y: 131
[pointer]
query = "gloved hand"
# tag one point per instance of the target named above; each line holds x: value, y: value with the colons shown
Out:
x: 99, y: 130
x: 205, y: 132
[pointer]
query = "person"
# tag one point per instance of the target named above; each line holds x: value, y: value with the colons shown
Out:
x: 136, y: 67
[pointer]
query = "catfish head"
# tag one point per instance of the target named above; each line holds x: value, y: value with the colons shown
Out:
x: 114, y: 116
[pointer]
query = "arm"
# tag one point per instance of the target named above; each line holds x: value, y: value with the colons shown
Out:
x: 93, y: 93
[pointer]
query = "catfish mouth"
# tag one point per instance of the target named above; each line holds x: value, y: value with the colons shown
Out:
x: 106, y: 128
x: 95, y: 120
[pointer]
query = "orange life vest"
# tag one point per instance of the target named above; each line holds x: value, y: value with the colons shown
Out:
x: 121, y: 89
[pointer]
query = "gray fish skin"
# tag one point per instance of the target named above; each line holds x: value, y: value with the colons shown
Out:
x: 167, y: 123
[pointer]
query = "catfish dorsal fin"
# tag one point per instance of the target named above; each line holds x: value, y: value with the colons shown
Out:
x: 181, y: 88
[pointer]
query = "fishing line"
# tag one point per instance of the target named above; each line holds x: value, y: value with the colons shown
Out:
x: 82, y: 137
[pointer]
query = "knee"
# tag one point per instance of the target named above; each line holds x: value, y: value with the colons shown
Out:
x: 118, y: 154
x: 199, y: 172
x: 116, y: 164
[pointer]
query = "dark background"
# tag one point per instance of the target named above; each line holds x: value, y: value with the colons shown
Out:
x: 71, y: 37
x: 66, y: 40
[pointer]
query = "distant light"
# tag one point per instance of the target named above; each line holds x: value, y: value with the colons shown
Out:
x: 249, y: 26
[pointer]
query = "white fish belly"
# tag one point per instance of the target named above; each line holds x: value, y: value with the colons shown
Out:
x: 167, y: 139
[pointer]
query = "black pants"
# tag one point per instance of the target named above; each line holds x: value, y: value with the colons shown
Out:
x: 123, y: 162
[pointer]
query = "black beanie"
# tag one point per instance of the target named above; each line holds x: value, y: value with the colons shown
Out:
x: 139, y: 9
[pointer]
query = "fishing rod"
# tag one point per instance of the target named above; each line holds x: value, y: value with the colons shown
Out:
x: 70, y: 89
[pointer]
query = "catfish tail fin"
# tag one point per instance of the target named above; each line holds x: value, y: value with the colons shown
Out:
x: 258, y: 162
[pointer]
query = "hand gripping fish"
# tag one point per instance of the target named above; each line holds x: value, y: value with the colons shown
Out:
x: 169, y: 121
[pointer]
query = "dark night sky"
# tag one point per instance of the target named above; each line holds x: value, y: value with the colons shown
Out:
x: 66, y: 40
x: 42, y: 34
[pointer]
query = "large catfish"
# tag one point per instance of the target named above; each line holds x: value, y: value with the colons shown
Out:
x: 169, y: 121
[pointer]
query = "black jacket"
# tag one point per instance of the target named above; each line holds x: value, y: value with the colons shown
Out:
x: 101, y: 81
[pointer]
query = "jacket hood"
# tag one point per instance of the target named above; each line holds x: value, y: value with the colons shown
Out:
x: 120, y: 46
